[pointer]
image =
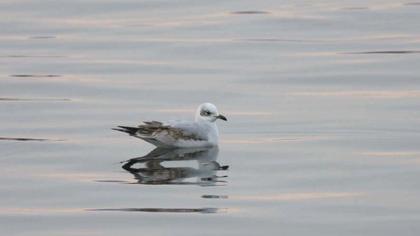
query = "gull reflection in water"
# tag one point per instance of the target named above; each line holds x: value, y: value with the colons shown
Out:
x: 175, y: 166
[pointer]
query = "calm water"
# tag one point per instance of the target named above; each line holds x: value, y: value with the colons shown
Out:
x: 322, y: 100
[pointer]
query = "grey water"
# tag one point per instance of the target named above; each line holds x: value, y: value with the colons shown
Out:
x: 322, y: 98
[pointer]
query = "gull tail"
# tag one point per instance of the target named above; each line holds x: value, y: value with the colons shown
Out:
x: 127, y: 129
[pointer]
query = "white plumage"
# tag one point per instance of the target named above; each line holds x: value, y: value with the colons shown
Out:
x: 202, y: 132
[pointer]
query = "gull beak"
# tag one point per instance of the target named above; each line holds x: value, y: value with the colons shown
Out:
x: 222, y: 117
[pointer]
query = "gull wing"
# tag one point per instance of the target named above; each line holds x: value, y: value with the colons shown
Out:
x: 165, y: 134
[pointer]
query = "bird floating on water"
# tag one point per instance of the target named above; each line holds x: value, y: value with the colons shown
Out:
x: 202, y: 132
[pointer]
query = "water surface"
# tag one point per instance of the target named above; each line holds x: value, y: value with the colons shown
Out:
x: 322, y: 100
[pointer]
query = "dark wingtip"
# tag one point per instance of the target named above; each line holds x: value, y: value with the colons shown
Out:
x: 121, y: 130
x: 127, y: 129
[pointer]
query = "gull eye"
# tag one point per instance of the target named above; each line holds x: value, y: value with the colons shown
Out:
x: 205, y: 113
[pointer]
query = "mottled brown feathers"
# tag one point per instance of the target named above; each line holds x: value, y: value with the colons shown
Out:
x: 155, y: 127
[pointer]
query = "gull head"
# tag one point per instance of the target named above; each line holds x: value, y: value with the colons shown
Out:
x: 208, y: 112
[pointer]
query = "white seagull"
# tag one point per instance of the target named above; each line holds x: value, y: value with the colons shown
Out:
x: 202, y: 132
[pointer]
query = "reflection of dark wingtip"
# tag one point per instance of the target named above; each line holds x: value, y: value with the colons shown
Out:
x: 128, y: 166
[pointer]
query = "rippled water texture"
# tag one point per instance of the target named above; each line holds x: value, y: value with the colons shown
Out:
x: 322, y: 99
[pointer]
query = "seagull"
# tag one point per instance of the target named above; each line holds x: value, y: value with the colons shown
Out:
x: 202, y: 132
